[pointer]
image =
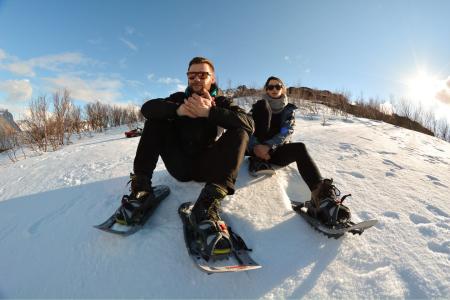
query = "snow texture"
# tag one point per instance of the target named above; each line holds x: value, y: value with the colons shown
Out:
x: 49, y: 203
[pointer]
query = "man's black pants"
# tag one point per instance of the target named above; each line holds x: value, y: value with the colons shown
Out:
x: 219, y: 163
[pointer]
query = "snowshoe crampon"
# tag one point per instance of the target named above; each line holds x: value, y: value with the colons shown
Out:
x: 110, y: 225
x: 332, y: 231
x: 237, y: 260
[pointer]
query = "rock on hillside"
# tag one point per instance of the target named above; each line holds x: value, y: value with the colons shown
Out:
x: 7, y: 122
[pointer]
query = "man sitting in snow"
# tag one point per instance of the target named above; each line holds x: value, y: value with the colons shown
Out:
x: 184, y: 130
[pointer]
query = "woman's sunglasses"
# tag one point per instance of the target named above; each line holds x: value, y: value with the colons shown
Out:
x: 276, y: 86
x: 201, y: 75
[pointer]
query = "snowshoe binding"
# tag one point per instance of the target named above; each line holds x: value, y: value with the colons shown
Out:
x: 327, y: 213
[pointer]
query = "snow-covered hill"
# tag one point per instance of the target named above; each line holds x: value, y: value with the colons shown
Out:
x: 49, y: 203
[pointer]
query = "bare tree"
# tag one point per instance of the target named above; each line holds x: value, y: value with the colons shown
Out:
x: 62, y: 106
x: 116, y: 116
x: 404, y: 108
x: 36, y: 124
x: 97, y: 116
x: 76, y: 121
x: 132, y: 116
x: 444, y: 129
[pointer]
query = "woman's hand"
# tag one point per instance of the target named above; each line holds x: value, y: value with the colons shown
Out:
x: 262, y: 151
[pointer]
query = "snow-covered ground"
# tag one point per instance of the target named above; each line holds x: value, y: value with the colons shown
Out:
x: 49, y: 203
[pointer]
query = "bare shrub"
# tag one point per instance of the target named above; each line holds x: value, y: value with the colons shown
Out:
x: 325, y: 115
x: 97, y: 115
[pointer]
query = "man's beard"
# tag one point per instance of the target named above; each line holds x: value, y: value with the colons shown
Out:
x: 198, y: 88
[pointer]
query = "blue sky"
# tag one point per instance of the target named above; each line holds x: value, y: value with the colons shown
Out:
x: 127, y: 51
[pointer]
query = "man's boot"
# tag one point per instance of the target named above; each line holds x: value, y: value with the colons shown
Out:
x: 138, y: 202
x: 212, y: 232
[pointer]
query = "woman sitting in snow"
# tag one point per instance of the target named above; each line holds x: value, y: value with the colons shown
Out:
x: 274, y: 124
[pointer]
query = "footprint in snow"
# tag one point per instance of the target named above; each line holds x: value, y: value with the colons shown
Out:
x: 418, y: 219
x: 428, y: 231
x: 386, y: 153
x: 436, y: 181
x: 440, y: 247
x: 391, y: 214
x: 443, y: 225
x: 434, y: 159
x: 437, y: 211
x: 393, y: 164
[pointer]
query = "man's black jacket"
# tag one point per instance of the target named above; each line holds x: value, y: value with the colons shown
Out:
x: 196, y: 134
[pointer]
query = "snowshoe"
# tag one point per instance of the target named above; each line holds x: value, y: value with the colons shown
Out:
x: 127, y: 221
x: 332, y: 231
x: 237, y: 260
x: 327, y: 213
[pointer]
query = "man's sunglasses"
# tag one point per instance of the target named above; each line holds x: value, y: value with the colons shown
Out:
x: 201, y: 75
x: 276, y: 86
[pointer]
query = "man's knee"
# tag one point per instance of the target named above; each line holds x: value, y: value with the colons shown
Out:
x: 239, y: 135
x: 183, y: 176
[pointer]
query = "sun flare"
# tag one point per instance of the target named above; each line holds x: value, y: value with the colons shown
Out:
x: 422, y: 86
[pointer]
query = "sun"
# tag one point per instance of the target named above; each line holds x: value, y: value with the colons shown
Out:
x: 422, y: 86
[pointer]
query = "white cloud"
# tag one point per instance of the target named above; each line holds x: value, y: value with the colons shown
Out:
x: 21, y: 68
x: 48, y: 62
x: 2, y: 54
x: 102, y: 89
x: 168, y: 80
x: 165, y: 80
x: 129, y: 44
x: 16, y: 90
x: 181, y: 87
x: 443, y: 94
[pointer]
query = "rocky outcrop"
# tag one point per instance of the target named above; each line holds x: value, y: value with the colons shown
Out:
x: 7, y: 122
